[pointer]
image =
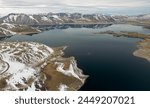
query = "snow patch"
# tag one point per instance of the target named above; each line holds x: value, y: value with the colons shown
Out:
x: 33, y: 18
x: 56, y: 17
x: 68, y: 72
x: 45, y: 19
x: 9, y: 26
x: 63, y: 87
x: 6, y: 32
x: 22, y: 58
x: 31, y: 88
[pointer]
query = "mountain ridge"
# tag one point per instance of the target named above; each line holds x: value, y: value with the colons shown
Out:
x: 20, y: 23
x: 55, y: 18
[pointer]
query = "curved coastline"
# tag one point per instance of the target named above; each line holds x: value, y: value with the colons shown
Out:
x: 143, y: 50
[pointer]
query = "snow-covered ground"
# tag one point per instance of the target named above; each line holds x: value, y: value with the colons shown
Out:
x: 69, y: 72
x: 8, y: 26
x: 63, y: 87
x: 6, y: 32
x: 21, y: 64
x: 7, y: 29
x: 22, y: 57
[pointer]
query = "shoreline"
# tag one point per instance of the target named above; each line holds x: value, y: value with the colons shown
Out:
x: 143, y: 46
x: 143, y: 50
x: 126, y: 34
x: 51, y: 70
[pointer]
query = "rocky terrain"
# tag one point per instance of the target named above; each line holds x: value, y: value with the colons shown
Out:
x: 7, y: 29
x: 34, y: 66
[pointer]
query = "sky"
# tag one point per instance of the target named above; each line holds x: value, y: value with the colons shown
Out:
x: 119, y: 7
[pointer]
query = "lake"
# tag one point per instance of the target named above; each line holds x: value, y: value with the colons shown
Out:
x: 108, y: 60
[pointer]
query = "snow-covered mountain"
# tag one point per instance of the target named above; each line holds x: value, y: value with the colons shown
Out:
x: 141, y: 17
x: 67, y: 18
x: 26, y: 24
x: 136, y: 19
x: 7, y: 29
x: 146, y: 16
x: 56, y: 18
x: 22, y: 19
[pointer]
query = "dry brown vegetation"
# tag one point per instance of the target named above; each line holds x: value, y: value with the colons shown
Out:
x: 55, y: 78
x: 126, y: 34
x: 144, y: 49
x: 3, y: 82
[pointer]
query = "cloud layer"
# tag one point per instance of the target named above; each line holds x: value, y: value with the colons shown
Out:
x: 94, y: 6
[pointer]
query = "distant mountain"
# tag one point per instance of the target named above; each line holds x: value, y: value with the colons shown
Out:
x: 137, y: 19
x: 141, y: 17
x: 56, y: 18
x: 30, y: 24
x: 70, y: 18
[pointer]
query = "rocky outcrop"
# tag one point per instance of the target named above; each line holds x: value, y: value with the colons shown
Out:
x: 143, y: 49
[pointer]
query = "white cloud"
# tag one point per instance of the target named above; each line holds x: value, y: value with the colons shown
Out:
x: 106, y: 3
x: 95, y: 6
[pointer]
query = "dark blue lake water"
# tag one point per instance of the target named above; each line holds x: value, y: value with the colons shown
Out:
x: 108, y: 60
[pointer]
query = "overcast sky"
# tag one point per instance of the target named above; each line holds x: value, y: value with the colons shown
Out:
x: 84, y: 6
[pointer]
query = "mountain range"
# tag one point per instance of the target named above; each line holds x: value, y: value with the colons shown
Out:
x: 55, y: 18
x: 26, y: 23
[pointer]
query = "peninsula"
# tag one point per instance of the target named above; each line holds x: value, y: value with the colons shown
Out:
x: 143, y: 50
